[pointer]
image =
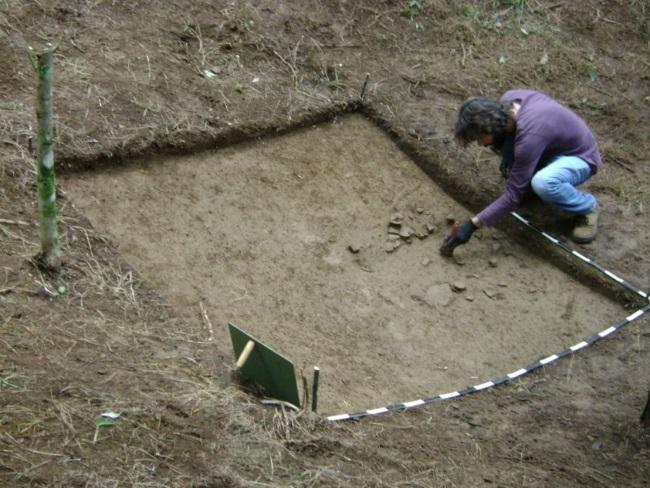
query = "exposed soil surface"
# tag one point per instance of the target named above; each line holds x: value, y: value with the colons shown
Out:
x: 290, y: 238
x: 211, y: 171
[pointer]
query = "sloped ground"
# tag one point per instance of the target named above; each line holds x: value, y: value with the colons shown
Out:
x: 131, y: 80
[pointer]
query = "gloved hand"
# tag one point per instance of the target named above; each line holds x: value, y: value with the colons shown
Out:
x: 461, y: 235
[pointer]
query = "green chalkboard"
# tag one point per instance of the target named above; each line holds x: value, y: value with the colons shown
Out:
x: 266, y: 367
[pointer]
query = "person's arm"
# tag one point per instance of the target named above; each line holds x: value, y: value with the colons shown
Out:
x: 527, y: 157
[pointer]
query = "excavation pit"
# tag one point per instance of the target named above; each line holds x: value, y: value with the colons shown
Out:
x: 291, y: 238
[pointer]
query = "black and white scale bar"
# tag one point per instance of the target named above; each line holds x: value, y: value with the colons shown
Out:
x: 399, y: 407
x: 582, y: 257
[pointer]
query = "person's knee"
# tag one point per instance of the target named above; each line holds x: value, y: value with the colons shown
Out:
x: 542, y: 185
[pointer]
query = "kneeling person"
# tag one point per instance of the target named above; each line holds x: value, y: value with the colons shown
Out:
x: 543, y: 145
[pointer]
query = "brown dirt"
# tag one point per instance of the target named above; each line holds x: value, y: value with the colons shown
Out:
x: 163, y: 215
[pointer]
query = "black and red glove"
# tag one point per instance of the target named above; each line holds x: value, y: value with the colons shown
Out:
x: 460, y: 234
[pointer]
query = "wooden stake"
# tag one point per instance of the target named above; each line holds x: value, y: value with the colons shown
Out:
x: 245, y: 354
x: 50, y: 255
x: 314, y: 389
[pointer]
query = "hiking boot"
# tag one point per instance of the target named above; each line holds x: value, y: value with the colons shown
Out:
x: 586, y: 226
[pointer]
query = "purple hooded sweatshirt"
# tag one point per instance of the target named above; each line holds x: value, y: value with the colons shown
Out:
x: 545, y: 130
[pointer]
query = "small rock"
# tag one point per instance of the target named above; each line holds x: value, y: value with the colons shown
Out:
x: 421, y: 235
x: 489, y: 293
x: 492, y: 262
x: 394, y: 229
x: 406, y: 232
x: 458, y: 286
x: 503, y: 285
x: 392, y: 245
x: 396, y: 219
x: 431, y: 228
x: 419, y: 210
x: 469, y: 298
x: 458, y: 260
x: 439, y: 296
x: 354, y: 248
x: 426, y: 262
x: 450, y: 219
x: 394, y: 237
x: 596, y: 445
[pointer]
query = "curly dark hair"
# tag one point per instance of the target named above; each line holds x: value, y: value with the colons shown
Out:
x: 481, y: 115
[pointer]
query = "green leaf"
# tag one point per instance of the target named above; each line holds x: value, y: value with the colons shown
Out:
x: 103, y: 423
x: 469, y: 11
x: 412, y: 8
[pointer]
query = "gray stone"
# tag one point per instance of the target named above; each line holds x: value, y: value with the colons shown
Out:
x: 406, y: 232
x: 396, y: 219
x: 439, y: 295
x: 354, y: 248
x: 392, y: 245
x: 458, y: 286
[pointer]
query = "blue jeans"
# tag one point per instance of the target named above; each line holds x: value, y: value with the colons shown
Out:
x: 556, y: 185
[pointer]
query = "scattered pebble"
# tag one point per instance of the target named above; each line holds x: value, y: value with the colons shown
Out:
x: 396, y: 219
x: 419, y: 210
x: 492, y: 262
x: 503, y: 285
x: 489, y: 293
x: 469, y: 298
x: 354, y: 248
x: 426, y: 262
x: 458, y: 286
x: 392, y: 245
x: 438, y: 296
x: 406, y: 232
x: 431, y: 228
